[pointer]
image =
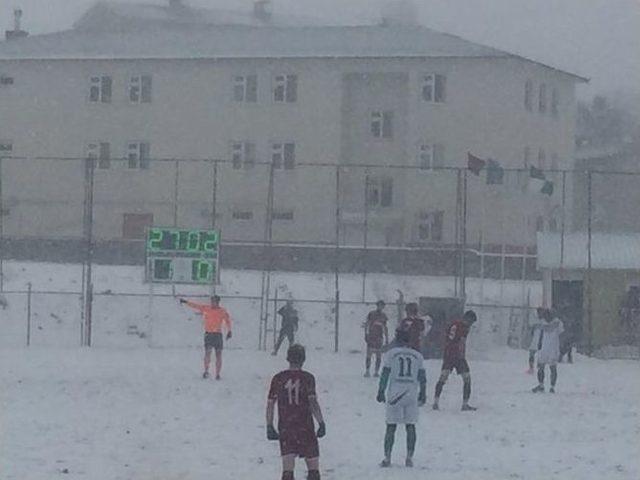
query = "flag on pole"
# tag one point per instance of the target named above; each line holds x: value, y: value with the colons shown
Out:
x: 475, y: 164
x: 547, y: 189
x: 495, y: 173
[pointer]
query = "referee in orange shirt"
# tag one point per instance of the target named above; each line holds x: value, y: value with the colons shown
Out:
x: 213, y: 318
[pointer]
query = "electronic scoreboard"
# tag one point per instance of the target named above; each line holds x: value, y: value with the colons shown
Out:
x: 176, y: 255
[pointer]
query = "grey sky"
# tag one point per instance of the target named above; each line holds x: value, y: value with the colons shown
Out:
x: 599, y: 39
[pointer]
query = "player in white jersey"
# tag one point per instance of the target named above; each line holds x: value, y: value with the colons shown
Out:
x: 402, y: 386
x: 549, y: 352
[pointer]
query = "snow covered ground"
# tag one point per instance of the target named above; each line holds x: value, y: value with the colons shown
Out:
x: 129, y: 312
x: 143, y: 414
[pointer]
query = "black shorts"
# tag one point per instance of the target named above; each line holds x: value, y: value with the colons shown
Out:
x: 459, y: 365
x: 213, y: 340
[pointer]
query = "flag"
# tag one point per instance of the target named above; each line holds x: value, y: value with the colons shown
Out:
x: 547, y: 189
x: 536, y: 173
x: 495, y: 173
x: 537, y: 180
x: 475, y: 164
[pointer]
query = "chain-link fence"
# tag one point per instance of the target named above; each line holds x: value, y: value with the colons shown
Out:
x: 367, y: 231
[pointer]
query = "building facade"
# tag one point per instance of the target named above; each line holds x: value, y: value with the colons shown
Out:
x: 384, y: 114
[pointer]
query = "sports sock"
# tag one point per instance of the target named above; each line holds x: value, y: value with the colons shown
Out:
x: 466, y: 391
x: 439, y: 387
x: 541, y: 375
x: 377, y: 362
x: 367, y: 363
x: 554, y: 375
x: 389, y: 438
x: 287, y: 475
x: 313, y: 475
x: 411, y: 440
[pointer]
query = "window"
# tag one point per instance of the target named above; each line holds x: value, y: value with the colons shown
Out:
x: 242, y: 215
x: 554, y: 102
x: 100, y: 151
x: 528, y: 95
x: 382, y: 124
x: 140, y: 89
x: 542, y: 98
x: 243, y: 155
x: 245, y: 88
x: 379, y: 191
x: 100, y: 89
x: 6, y: 147
x: 5, y: 80
x: 285, y: 89
x: 429, y: 226
x: 542, y: 159
x: 282, y: 215
x: 138, y: 155
x: 431, y: 156
x: 134, y: 225
x: 284, y: 155
x: 433, y: 88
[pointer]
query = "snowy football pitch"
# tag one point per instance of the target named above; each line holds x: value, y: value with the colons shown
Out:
x: 143, y: 414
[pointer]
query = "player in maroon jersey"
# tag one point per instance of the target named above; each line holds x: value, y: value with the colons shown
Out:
x: 454, y: 358
x: 294, y: 390
x: 414, y: 325
x: 376, y: 335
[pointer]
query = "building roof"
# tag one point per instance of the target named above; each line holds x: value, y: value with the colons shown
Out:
x: 608, y: 251
x: 120, y: 31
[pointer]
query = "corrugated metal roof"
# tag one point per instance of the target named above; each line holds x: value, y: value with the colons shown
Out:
x: 246, y: 42
x: 608, y: 251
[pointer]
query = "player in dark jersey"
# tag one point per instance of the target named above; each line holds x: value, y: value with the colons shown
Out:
x: 414, y: 325
x: 294, y: 390
x: 454, y: 358
x: 376, y: 335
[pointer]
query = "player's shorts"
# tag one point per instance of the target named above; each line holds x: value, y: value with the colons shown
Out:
x: 548, y: 358
x: 403, y: 411
x: 374, y: 344
x: 302, y: 443
x: 460, y: 365
x: 213, y: 340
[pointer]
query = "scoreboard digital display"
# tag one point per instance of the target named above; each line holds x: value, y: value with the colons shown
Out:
x: 176, y: 255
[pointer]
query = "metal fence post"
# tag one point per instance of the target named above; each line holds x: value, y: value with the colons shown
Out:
x: 29, y: 314
x: 337, y: 324
x: 88, y: 235
x: 589, y: 279
x: 1, y: 230
x: 275, y: 317
x: 176, y: 180
x: 337, y: 252
x: 365, y: 238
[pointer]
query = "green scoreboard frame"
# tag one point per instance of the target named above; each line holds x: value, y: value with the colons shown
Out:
x: 177, y: 255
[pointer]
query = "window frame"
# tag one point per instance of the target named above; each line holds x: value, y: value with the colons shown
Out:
x: 4, y: 151
x: 555, y: 102
x: 288, y: 84
x: 247, y: 152
x: 242, y: 81
x: 241, y: 215
x: 542, y: 98
x: 143, y: 152
x: 7, y: 81
x: 436, y: 84
x: 287, y: 153
x: 433, y: 222
x: 436, y: 156
x: 381, y: 124
x: 380, y: 188
x: 99, y: 147
x: 98, y: 82
x: 528, y: 95
x: 283, y: 215
x: 140, y: 86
